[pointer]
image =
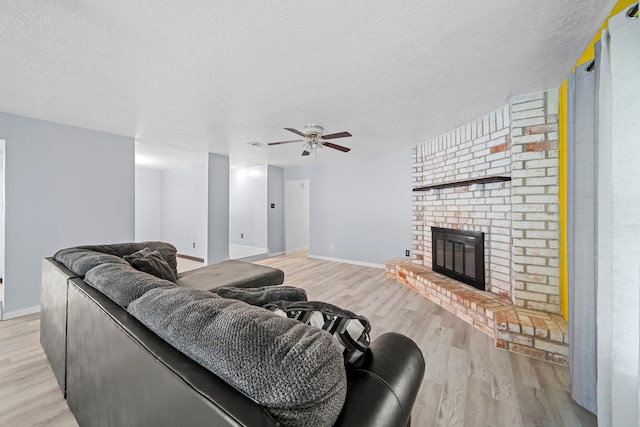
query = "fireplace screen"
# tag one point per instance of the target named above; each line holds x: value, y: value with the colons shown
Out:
x: 459, y: 255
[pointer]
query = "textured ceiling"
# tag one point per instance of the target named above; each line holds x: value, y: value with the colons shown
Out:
x: 218, y: 75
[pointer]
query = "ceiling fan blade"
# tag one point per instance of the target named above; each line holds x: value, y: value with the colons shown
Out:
x: 305, y: 153
x: 296, y: 131
x: 284, y: 142
x: 336, y: 147
x: 336, y: 135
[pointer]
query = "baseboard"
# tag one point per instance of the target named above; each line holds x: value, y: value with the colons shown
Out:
x: 22, y: 312
x: 192, y: 258
x: 291, y: 251
x: 270, y: 254
x: 348, y: 261
x: 251, y: 258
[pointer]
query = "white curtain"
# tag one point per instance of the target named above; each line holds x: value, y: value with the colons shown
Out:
x: 618, y: 224
x: 604, y: 235
x: 581, y: 232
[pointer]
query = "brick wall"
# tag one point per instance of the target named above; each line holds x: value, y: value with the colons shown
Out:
x: 520, y: 217
x: 534, y: 201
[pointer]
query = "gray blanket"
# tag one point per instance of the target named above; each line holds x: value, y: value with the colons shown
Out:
x: 81, y: 259
x: 263, y: 295
x: 123, y: 283
x: 295, y: 371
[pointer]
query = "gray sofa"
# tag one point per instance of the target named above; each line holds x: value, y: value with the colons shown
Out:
x: 129, y: 348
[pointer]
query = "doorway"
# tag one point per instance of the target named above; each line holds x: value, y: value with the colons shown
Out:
x: 2, y: 156
x: 248, y: 212
x: 296, y: 215
x: 171, y: 197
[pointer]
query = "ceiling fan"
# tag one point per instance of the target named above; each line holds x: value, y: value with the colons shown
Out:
x: 314, y: 139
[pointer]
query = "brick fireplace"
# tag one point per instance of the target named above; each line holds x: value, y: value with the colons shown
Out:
x: 497, y: 175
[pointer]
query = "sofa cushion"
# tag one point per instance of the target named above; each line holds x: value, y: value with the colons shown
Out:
x: 167, y: 251
x: 293, y: 370
x: 151, y: 262
x: 263, y: 295
x: 123, y: 283
x: 240, y: 274
x: 82, y: 260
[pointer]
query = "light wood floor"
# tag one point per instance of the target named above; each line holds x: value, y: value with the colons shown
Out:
x: 29, y: 393
x: 468, y: 382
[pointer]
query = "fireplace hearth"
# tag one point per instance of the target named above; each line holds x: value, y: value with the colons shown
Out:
x: 459, y: 254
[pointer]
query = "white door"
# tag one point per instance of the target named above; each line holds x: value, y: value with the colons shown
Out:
x: 296, y: 215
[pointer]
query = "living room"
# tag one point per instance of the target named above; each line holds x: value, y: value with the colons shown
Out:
x: 64, y: 176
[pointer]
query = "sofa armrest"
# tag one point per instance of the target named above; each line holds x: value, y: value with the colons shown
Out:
x: 383, y: 384
x: 53, y: 317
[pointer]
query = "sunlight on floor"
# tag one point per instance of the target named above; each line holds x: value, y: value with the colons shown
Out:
x: 185, y: 264
x: 242, y: 251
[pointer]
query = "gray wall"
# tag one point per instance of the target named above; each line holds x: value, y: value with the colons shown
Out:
x: 1, y: 210
x: 248, y: 206
x: 148, y: 204
x: 218, y: 209
x: 184, y: 208
x: 64, y: 186
x: 361, y: 206
x: 275, y: 215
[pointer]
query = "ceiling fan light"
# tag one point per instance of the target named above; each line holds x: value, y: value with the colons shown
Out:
x: 311, y: 146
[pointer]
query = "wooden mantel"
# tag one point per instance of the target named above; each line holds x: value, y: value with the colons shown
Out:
x: 485, y: 180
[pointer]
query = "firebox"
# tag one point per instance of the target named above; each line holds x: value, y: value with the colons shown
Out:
x: 459, y: 254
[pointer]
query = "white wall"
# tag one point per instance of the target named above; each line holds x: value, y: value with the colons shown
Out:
x: 64, y: 186
x: 186, y: 205
x: 148, y: 204
x: 184, y: 208
x: 361, y: 206
x: 248, y: 206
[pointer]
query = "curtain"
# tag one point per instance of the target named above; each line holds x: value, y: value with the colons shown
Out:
x: 604, y: 233
x: 581, y: 234
x: 621, y: 355
x: 612, y: 228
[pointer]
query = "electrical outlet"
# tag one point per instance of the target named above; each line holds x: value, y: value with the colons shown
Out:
x: 407, y: 253
x: 242, y: 235
x: 194, y: 245
x: 331, y: 246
